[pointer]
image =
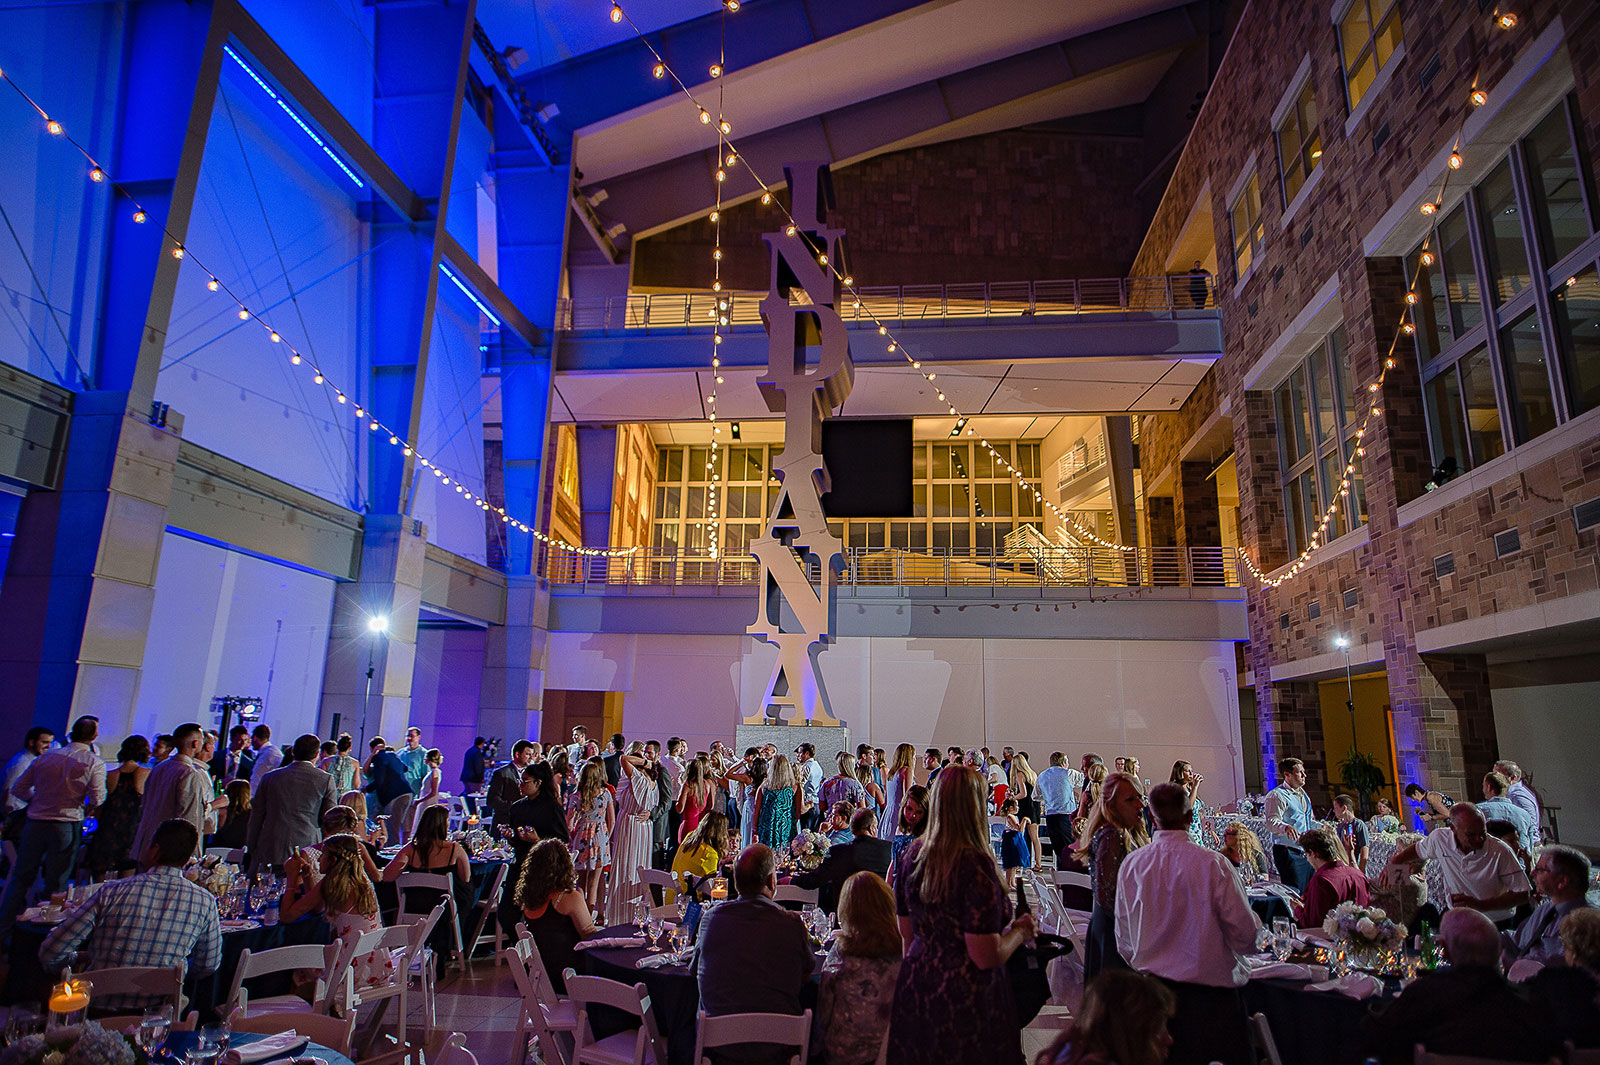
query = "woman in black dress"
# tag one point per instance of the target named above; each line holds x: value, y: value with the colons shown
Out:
x: 556, y: 912
x: 952, y: 1003
x: 118, y: 816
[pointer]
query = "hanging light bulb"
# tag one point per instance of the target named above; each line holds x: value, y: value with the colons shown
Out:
x: 713, y: 216
x: 789, y: 230
x: 274, y: 337
x: 1429, y: 207
x: 54, y: 127
x: 716, y: 70
x: 1506, y: 21
x: 733, y: 157
x: 1455, y: 160
x: 213, y: 284
x: 244, y: 314
x: 139, y: 216
x: 722, y: 175
x: 659, y: 70
x: 177, y: 253
x: 318, y: 380
x: 705, y: 117
x: 1479, y: 97
x: 731, y: 5
x: 616, y: 12
x: 96, y: 174
x: 766, y: 198
x: 725, y: 126
x: 1426, y: 258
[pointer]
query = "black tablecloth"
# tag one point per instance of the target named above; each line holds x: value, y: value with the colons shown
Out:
x: 178, y: 1042
x: 1310, y: 1027
x: 27, y: 982
x: 468, y: 895
x: 674, y: 997
x: 1269, y: 907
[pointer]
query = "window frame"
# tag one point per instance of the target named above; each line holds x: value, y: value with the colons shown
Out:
x: 1258, y: 233
x: 1291, y: 110
x: 1302, y: 386
x: 1356, y: 107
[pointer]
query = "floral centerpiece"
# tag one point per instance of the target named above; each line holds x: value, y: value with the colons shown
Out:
x: 1365, y: 932
x: 85, y: 1044
x: 213, y: 874
x: 808, y: 849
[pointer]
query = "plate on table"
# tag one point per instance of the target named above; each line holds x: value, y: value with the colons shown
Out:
x: 239, y: 924
x: 41, y: 915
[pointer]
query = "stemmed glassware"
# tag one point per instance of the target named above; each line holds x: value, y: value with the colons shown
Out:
x: 641, y: 914
x: 21, y: 1023
x: 153, y: 1028
x: 653, y: 932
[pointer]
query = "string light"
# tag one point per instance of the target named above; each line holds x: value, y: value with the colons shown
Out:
x: 296, y: 357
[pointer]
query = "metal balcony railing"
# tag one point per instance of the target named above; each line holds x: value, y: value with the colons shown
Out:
x: 1189, y: 295
x: 1041, y: 565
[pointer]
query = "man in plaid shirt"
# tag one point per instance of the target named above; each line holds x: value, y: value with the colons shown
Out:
x: 156, y: 918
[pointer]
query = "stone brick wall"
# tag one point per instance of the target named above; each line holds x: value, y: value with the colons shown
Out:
x: 1021, y: 205
x: 1441, y: 709
x: 1162, y: 435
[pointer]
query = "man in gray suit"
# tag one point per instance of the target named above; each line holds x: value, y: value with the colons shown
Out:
x: 178, y: 787
x: 286, y: 810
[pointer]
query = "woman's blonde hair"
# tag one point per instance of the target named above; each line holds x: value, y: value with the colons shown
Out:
x: 905, y: 756
x: 780, y: 775
x: 1021, y: 768
x: 868, y: 927
x: 357, y: 801
x: 956, y: 828
x: 712, y: 831
x: 1250, y: 849
x: 1100, y: 816
x: 847, y: 764
x: 1580, y: 935
x: 345, y: 886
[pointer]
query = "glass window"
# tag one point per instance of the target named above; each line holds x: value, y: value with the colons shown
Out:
x: 1460, y: 278
x: 1332, y: 472
x: 1317, y: 397
x: 1447, y: 425
x: 1248, y: 229
x: 1028, y: 459
x: 1527, y: 377
x: 1323, y: 400
x: 1577, y: 307
x: 1369, y: 33
x: 1299, y: 143
x: 1502, y: 233
x: 1339, y: 354
x: 1559, y: 211
x: 1483, y: 413
x: 1431, y: 313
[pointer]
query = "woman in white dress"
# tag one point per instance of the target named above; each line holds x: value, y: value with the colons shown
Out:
x: 631, y: 838
x: 429, y: 795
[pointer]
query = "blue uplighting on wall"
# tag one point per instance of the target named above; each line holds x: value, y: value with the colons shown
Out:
x: 293, y: 115
x: 471, y: 295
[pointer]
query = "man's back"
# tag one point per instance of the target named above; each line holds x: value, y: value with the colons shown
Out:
x: 1182, y: 914
x: 287, y: 812
x: 1503, y: 809
x: 177, y: 787
x: 58, y: 782
x: 754, y: 957
x: 1469, y: 1010
x: 156, y: 918
x: 862, y: 853
x: 386, y: 777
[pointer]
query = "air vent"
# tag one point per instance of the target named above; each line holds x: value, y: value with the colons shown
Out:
x: 1305, y: 235
x: 1314, y: 611
x: 1283, y: 622
x: 1429, y: 72
x: 1350, y: 598
x: 1444, y: 565
x: 1507, y: 543
x: 1587, y: 515
x: 1381, y: 137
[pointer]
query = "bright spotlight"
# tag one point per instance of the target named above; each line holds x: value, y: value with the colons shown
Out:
x: 378, y: 624
x: 1341, y: 641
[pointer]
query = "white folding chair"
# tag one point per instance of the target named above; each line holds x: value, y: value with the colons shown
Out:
x: 484, y: 909
x: 641, y: 1046
x: 311, y: 957
x: 791, y: 893
x: 146, y: 985
x: 997, y: 828
x: 659, y: 878
x: 1264, y: 1041
x: 773, y: 1029
x: 422, y: 963
x: 455, y: 1052
x: 1067, y: 878
x: 397, y: 941
x: 336, y: 1033
x: 545, y: 1014
x: 443, y: 882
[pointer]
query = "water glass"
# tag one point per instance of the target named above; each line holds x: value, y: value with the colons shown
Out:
x: 21, y: 1023
x: 1283, y: 928
x: 153, y: 1029
x: 653, y: 932
x: 205, y: 1050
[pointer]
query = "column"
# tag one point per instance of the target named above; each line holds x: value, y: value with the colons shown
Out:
x: 1197, y: 520
x: 513, y: 665
x: 1289, y: 715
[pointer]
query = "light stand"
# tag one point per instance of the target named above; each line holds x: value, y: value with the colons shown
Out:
x: 378, y: 626
x: 1349, y: 691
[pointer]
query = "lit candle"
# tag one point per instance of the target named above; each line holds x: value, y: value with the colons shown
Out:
x: 719, y: 888
x: 69, y: 1001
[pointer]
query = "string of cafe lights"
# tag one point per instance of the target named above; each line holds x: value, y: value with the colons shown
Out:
x: 1371, y: 408
x: 246, y: 313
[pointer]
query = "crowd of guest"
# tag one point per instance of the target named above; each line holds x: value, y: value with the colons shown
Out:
x: 923, y: 854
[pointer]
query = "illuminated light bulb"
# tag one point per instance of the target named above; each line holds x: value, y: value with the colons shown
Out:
x: 849, y: 280
x: 725, y: 126
x: 1506, y: 21
x: 719, y: 379
x: 733, y: 157
x: 722, y: 175
x: 916, y: 364
x: 446, y: 480
x: 373, y: 426
x: 139, y: 216
x: 340, y: 395
x: 717, y: 255
x: 1360, y: 433
x: 294, y: 360
x: 789, y: 230
x: 766, y: 198
x: 891, y: 347
x: 1388, y: 364
x: 54, y: 127
x: 705, y: 117
x: 659, y: 70
x: 96, y: 174
x: 931, y: 377
x: 244, y: 315
x: 1361, y: 451
x: 360, y: 413
x: 716, y: 70
x: 856, y: 304
x: 822, y: 259
x: 1408, y: 329
x: 1455, y: 160
x: 714, y: 216
x: 1479, y: 97
x: 731, y: 5
x: 883, y: 330
x: 213, y: 284
x: 722, y: 305
x: 1372, y: 387
x: 1411, y: 298
x: 1377, y: 413
x: 716, y: 340
x: 616, y: 12
x: 716, y: 286
x: 318, y: 380
x: 1429, y: 208
x: 1426, y: 258
x: 723, y: 320
x: 405, y: 451
x: 177, y: 253
x: 274, y: 337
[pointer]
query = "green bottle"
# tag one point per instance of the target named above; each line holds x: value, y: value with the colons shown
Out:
x: 1429, y: 959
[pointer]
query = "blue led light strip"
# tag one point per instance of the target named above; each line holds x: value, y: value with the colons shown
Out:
x: 471, y: 295
x: 305, y: 126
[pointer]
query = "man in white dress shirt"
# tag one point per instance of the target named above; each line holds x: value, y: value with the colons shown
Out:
x: 1522, y: 797
x: 1182, y: 916
x: 269, y: 756
x: 1289, y: 813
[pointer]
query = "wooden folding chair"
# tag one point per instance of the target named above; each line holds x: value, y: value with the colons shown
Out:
x: 335, y: 1033
x: 641, y: 1046
x: 772, y: 1029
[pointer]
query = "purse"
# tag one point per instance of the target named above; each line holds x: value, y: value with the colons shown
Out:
x: 1028, y: 968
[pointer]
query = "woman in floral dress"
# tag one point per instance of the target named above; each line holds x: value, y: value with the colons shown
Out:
x: 859, y: 975
x: 591, y: 816
x: 775, y: 820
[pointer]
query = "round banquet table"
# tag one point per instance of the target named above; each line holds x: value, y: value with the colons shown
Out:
x: 674, y: 996
x: 1268, y: 907
x: 27, y: 982
x: 1313, y: 1027
x: 178, y: 1042
x: 468, y: 895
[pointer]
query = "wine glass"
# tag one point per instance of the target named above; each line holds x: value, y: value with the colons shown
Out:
x: 681, y: 903
x: 22, y: 1023
x: 206, y: 1048
x: 153, y: 1028
x: 641, y: 914
x: 653, y: 932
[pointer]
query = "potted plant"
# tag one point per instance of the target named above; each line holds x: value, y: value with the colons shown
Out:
x: 1363, y: 776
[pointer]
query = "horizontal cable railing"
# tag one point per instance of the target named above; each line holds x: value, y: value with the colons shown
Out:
x: 1040, y: 564
x: 1145, y: 297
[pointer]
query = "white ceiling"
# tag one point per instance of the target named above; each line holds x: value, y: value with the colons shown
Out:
x: 1033, y: 388
x: 928, y: 42
x: 770, y: 430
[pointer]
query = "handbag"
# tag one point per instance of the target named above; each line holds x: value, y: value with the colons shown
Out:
x: 1028, y: 968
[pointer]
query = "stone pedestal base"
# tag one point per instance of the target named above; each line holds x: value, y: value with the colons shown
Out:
x: 829, y: 740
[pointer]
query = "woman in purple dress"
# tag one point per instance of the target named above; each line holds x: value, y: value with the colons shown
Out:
x: 952, y: 1003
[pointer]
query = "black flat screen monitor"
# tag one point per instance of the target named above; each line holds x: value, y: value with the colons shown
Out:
x: 869, y: 462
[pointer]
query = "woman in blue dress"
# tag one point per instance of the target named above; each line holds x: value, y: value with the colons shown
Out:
x: 775, y: 815
x: 894, y: 790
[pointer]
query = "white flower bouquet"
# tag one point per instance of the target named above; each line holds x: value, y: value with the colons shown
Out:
x: 213, y: 874
x: 808, y: 849
x: 1365, y: 932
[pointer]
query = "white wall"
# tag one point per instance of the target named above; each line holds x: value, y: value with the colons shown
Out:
x: 1552, y: 732
x: 1157, y: 700
x: 445, y: 688
x: 226, y: 623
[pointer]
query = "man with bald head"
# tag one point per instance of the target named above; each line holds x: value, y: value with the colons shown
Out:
x: 755, y: 956
x: 1480, y: 872
x: 1468, y: 1009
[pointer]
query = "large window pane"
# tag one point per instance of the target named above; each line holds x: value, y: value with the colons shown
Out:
x: 1577, y: 305
x: 1306, y: 484
x: 1460, y: 279
x: 1332, y: 472
x: 1558, y: 197
x: 1299, y: 143
x: 1502, y: 233
x: 1447, y: 428
x: 1431, y: 313
x: 1322, y: 398
x: 1339, y: 355
x: 1248, y: 229
x: 1365, y: 53
x: 1528, y: 377
x: 1483, y: 414
x: 1357, y: 503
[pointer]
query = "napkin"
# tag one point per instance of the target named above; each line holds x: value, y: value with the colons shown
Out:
x: 1356, y: 985
x: 273, y: 1046
x: 239, y: 924
x: 1283, y: 970
x: 612, y: 941
x: 658, y: 961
